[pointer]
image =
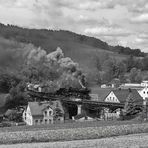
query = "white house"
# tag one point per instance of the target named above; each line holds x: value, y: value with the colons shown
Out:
x: 144, y: 84
x: 38, y: 113
x: 121, y: 95
x: 144, y: 94
x: 112, y: 98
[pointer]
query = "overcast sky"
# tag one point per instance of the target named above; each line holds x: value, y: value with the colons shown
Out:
x: 123, y: 22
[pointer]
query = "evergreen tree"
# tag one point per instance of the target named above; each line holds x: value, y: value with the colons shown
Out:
x: 129, y: 108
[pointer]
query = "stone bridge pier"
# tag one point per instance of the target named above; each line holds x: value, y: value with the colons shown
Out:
x: 79, y: 109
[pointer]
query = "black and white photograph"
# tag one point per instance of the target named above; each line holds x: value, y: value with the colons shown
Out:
x: 73, y: 73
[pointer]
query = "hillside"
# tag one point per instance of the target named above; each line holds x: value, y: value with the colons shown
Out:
x: 14, y: 46
x: 50, y: 39
x: 12, y: 53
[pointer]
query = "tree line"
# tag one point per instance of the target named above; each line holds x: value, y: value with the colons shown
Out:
x: 126, y: 70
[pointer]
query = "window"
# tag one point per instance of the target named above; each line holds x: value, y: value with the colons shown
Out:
x: 113, y: 99
x: 144, y: 92
x: 49, y: 120
x: 107, y: 99
x: 45, y: 121
x: 45, y: 113
x: 50, y: 112
x: 36, y: 121
x: 41, y: 121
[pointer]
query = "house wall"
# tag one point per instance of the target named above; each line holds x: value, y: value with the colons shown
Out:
x: 27, y: 117
x: 48, y: 116
x: 112, y: 98
x: 144, y: 93
x: 46, y: 119
x: 37, y: 120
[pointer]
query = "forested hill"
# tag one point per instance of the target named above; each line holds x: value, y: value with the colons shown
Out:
x: 98, y: 60
x: 49, y: 40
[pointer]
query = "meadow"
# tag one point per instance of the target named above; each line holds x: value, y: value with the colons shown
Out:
x: 70, y: 131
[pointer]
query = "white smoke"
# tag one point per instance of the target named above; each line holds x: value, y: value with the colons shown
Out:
x: 56, y: 55
x: 70, y: 69
x: 36, y: 55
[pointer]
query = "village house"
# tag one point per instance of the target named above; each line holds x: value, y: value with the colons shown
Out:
x: 144, y: 94
x: 120, y: 96
x: 38, y: 113
x: 115, y: 95
x: 137, y: 86
x: 98, y: 94
x: 114, y: 98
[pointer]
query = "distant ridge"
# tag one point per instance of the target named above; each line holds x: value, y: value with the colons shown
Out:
x: 50, y: 39
x: 17, y: 42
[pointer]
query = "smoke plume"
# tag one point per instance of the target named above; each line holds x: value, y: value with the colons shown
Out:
x: 71, y: 72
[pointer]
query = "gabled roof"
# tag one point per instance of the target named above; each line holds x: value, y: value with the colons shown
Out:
x: 37, y: 108
x: 123, y: 94
x: 100, y: 92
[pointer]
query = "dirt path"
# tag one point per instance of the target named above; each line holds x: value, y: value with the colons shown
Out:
x: 128, y: 141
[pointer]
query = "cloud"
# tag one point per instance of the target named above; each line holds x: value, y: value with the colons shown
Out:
x: 114, y: 21
x: 134, y: 41
x: 143, y: 18
x: 143, y: 36
x: 107, y: 31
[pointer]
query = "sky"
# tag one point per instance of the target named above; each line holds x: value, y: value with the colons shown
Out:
x: 118, y: 22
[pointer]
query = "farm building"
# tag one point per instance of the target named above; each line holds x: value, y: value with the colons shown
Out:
x: 120, y: 96
x: 99, y: 94
x: 144, y: 94
x: 38, y: 113
x: 111, y: 99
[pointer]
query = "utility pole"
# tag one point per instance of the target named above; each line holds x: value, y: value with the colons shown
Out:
x: 145, y: 108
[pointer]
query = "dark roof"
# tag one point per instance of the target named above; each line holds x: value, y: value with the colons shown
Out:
x: 38, y: 107
x: 79, y: 116
x: 10, y: 111
x: 100, y: 92
x: 123, y: 94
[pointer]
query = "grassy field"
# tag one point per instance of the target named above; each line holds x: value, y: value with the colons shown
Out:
x: 68, y: 133
x: 128, y: 141
x: 69, y: 125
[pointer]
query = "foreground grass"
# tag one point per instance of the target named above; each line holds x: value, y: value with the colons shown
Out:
x: 68, y: 134
x: 126, y: 141
x: 67, y: 125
